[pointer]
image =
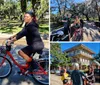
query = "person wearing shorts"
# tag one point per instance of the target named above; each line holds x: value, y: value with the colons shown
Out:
x: 33, y: 39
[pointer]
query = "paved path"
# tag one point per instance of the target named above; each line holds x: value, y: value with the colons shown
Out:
x: 15, y: 78
x: 55, y: 80
x: 22, y: 41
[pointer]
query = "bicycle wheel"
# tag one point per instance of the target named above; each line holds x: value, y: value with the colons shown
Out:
x: 5, y: 68
x: 42, y: 78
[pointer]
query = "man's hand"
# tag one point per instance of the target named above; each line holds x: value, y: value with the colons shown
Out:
x: 10, y: 38
x: 13, y: 38
x: 9, y: 42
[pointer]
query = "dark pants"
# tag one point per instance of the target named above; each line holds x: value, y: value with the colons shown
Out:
x: 66, y: 32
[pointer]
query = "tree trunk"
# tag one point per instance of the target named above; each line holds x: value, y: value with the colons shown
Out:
x: 65, y: 7
x: 33, y: 4
x: 98, y: 17
x: 87, y: 17
x: 59, y: 7
x: 23, y: 5
x: 97, y: 8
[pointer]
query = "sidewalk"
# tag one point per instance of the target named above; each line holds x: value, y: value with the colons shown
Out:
x: 55, y: 80
x: 14, y: 78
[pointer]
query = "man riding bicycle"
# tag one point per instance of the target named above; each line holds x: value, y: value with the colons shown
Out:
x: 34, y: 41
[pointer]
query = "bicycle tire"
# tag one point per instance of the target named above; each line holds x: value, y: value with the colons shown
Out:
x: 6, y: 62
x: 43, y: 82
x: 42, y: 78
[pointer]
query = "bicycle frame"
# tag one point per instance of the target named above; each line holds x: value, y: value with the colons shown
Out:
x: 23, y: 68
x: 76, y: 31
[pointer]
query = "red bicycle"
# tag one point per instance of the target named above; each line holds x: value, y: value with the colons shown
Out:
x: 41, y: 74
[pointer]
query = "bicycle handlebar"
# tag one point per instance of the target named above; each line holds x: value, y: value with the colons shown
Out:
x: 8, y: 41
x: 5, y: 43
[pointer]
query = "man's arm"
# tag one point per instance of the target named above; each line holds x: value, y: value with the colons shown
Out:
x: 64, y: 20
x: 17, y: 36
x: 85, y: 76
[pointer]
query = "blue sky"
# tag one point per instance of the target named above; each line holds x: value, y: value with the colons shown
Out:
x: 55, y: 4
x: 95, y: 47
x: 78, y: 1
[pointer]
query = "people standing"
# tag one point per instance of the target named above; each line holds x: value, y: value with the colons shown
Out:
x: 90, y: 75
x: 77, y: 75
x: 64, y: 76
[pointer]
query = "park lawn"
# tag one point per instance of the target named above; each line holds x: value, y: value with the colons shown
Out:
x: 43, y: 28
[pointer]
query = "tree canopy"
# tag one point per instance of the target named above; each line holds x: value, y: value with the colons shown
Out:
x: 88, y: 9
x: 15, y: 7
x: 57, y: 56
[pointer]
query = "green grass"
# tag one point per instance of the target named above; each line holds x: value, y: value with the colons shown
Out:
x: 13, y: 27
x: 44, y: 28
x: 8, y: 29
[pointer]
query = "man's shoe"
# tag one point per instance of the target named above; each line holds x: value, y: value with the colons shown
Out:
x: 33, y: 65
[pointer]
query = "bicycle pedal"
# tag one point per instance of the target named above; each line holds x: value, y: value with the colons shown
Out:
x: 26, y: 72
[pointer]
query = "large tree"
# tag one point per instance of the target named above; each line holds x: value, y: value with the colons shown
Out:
x: 60, y: 6
x: 58, y: 57
x: 8, y: 9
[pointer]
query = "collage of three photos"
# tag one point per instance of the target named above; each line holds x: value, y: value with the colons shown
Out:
x: 49, y: 42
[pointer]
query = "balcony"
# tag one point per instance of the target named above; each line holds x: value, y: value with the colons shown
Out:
x: 75, y: 53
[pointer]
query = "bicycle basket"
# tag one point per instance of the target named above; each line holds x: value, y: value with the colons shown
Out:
x: 2, y: 50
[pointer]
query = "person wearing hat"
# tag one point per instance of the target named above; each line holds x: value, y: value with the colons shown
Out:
x: 33, y: 39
